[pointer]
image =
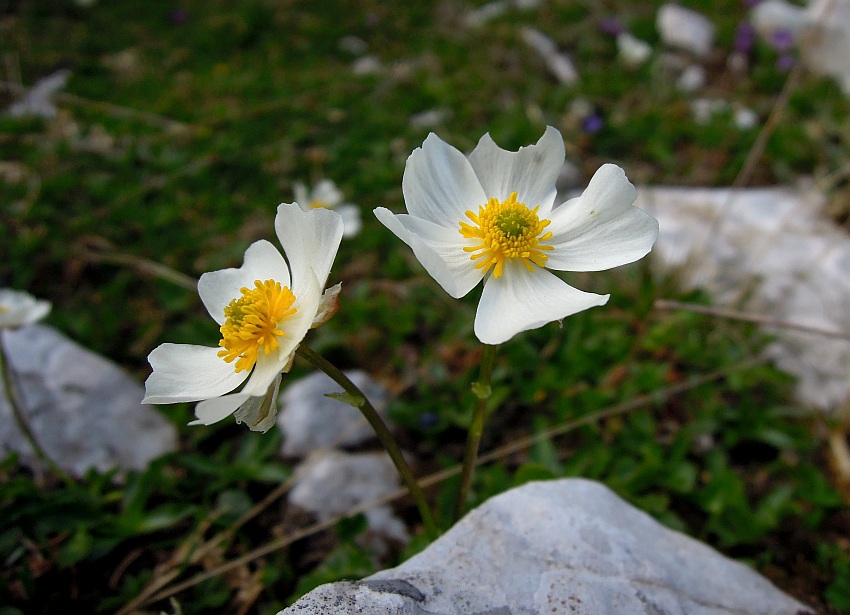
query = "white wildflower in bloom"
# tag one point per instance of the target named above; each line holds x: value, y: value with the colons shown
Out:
x: 490, y: 217
x: 18, y: 308
x: 264, y: 310
x: 326, y: 195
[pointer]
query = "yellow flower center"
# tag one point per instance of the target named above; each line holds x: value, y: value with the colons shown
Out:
x: 253, y: 322
x: 319, y: 205
x: 506, y: 230
x: 3, y: 309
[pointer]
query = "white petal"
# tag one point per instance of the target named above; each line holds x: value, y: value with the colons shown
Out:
x: 521, y: 300
x: 600, y: 229
x: 19, y: 308
x: 439, y: 184
x: 616, y: 242
x: 530, y: 172
x: 183, y: 372
x: 327, y: 193
x: 439, y: 249
x: 350, y: 219
x: 259, y: 413
x: 213, y: 410
x: 262, y: 262
x: 268, y: 367
x: 310, y: 240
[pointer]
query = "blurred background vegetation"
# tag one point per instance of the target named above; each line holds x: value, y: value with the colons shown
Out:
x: 184, y: 124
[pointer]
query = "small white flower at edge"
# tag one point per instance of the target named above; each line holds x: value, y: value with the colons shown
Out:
x: 490, y: 218
x: 18, y: 308
x: 264, y: 310
x: 326, y: 195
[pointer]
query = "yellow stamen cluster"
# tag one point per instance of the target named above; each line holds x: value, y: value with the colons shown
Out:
x: 506, y: 230
x: 253, y: 322
x: 319, y: 205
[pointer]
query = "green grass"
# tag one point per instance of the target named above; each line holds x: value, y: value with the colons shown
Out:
x: 177, y: 144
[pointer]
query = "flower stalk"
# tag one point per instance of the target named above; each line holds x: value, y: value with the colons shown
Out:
x: 482, y: 391
x: 381, y: 430
x: 20, y: 418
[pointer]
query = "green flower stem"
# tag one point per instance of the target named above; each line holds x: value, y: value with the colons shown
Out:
x: 381, y: 430
x: 482, y: 391
x: 18, y: 413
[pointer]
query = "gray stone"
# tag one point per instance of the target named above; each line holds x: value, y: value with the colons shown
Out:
x: 310, y: 420
x: 771, y: 251
x: 559, y: 64
x: 38, y: 100
x: 685, y: 29
x: 331, y: 483
x: 825, y: 40
x: 565, y: 546
x: 772, y: 16
x: 84, y: 410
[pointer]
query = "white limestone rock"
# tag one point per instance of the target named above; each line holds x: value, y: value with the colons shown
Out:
x: 310, y: 420
x: 331, y: 483
x: 825, y: 43
x: 85, y: 411
x: 558, y: 63
x: 38, y: 100
x: 632, y: 51
x: 685, y: 29
x: 565, y: 546
x: 772, y: 16
x: 775, y: 248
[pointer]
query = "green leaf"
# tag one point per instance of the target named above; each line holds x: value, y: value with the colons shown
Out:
x: 481, y: 391
x: 347, y: 398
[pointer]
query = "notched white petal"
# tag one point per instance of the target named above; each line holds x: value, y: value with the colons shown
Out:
x: 439, y: 184
x: 310, y: 239
x: 531, y: 171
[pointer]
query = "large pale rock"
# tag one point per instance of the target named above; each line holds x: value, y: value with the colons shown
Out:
x: 685, y: 29
x: 771, y: 251
x: 825, y: 41
x: 311, y: 421
x: 84, y: 410
x: 38, y: 100
x: 566, y: 546
x: 331, y: 483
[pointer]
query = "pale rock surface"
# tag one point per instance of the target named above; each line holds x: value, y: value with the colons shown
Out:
x: 777, y: 250
x: 331, y: 483
x: 311, y: 421
x: 559, y: 64
x: 85, y: 411
x: 38, y: 100
x: 685, y: 29
x: 825, y: 43
x: 557, y: 547
x: 772, y: 16
x: 487, y: 12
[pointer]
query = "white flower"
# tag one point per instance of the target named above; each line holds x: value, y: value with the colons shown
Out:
x: 490, y: 217
x: 265, y: 309
x: 326, y: 195
x: 18, y: 308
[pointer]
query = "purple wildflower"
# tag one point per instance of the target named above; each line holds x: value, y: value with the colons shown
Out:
x: 611, y: 26
x: 782, y: 39
x: 745, y: 37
